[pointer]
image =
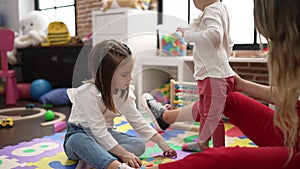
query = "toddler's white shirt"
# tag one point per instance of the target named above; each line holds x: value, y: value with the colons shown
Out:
x: 212, y: 43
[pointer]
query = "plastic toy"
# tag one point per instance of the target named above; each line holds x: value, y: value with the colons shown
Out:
x: 135, y: 4
x: 39, y: 87
x: 47, y: 106
x: 58, y: 34
x: 49, y: 115
x: 173, y: 45
x: 30, y: 106
x: 159, y: 96
x: 182, y: 93
x: 60, y: 117
x: 162, y: 94
x: 59, y: 126
x: 7, y: 122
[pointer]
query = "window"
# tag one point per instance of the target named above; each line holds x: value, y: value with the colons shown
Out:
x: 242, y: 28
x: 59, y: 10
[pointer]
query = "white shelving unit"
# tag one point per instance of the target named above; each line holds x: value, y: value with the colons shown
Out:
x: 152, y: 71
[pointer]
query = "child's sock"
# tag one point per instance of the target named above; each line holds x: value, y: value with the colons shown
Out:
x: 194, y: 146
x: 124, y: 166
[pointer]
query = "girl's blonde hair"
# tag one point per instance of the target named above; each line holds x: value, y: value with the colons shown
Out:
x: 104, y: 59
x: 279, y: 22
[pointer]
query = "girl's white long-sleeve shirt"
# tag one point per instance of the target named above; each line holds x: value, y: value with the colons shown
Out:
x: 212, y: 43
x: 89, y: 111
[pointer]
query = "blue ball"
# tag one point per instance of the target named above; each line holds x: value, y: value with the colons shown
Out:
x: 39, y: 87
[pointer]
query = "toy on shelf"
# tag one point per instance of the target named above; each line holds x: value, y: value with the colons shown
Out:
x: 32, y: 30
x: 182, y: 93
x: 58, y: 34
x: 173, y: 45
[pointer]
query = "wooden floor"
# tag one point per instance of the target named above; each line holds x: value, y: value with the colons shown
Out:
x: 26, y: 130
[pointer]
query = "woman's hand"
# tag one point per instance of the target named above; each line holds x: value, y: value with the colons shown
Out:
x: 170, y: 153
x: 131, y: 160
x: 253, y: 89
x: 238, y: 83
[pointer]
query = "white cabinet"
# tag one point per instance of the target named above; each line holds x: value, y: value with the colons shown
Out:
x: 135, y: 27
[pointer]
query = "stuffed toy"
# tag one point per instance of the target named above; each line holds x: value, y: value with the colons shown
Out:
x: 123, y: 3
x: 32, y: 33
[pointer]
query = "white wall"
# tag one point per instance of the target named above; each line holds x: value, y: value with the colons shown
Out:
x: 25, y: 6
x: 11, y: 11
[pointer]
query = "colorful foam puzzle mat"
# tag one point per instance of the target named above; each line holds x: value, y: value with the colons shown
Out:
x: 47, y: 152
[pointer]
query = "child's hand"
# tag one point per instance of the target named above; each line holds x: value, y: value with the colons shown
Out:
x: 170, y: 153
x: 131, y: 160
x: 180, y: 29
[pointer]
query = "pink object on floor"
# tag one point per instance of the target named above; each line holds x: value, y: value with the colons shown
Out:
x: 24, y: 90
x: 59, y: 126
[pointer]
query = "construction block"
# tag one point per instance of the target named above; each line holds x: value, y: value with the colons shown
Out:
x: 59, y: 126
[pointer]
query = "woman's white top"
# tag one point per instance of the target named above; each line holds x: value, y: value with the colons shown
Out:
x: 212, y: 43
x: 89, y: 111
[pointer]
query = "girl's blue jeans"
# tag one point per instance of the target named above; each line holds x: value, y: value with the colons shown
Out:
x: 80, y: 145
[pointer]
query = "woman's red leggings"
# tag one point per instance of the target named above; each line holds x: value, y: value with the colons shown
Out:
x: 256, y: 121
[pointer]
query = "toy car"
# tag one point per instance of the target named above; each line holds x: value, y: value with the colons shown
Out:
x: 7, y: 122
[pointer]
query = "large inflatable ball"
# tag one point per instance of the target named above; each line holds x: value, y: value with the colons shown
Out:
x: 39, y: 87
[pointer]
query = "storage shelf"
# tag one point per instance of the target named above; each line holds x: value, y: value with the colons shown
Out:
x: 152, y: 71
